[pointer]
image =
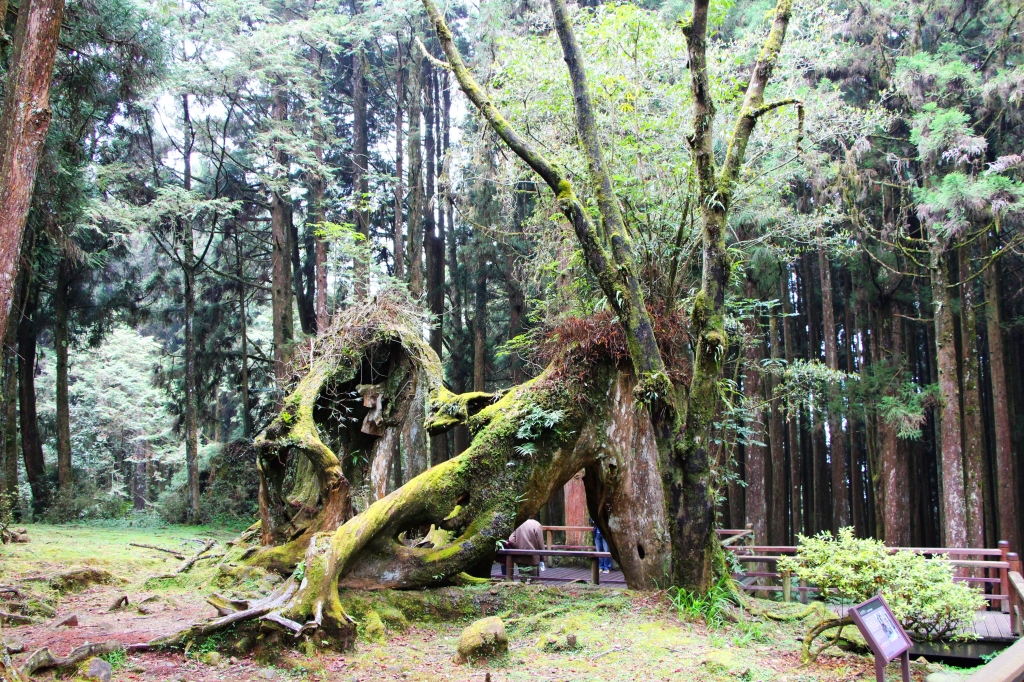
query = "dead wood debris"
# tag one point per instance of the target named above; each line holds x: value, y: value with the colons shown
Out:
x: 119, y: 603
x: 175, y: 553
x: 188, y: 563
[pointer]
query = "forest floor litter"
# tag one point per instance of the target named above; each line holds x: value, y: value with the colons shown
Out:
x: 568, y: 632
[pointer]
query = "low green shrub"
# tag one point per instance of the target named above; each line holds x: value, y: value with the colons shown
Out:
x: 920, y: 591
x: 709, y: 607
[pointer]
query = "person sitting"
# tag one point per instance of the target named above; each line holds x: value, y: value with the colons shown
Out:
x: 527, y: 536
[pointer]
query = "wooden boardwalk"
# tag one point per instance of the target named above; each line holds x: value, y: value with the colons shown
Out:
x: 567, y: 575
x: 989, y: 626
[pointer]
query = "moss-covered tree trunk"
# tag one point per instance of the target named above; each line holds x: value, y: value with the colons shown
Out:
x: 682, y: 419
x: 445, y: 523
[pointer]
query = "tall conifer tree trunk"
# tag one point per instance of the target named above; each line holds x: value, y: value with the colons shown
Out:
x: 754, y: 449
x: 243, y: 333
x: 796, y: 504
x: 1006, y: 475
x: 188, y: 262
x: 399, y: 241
x: 415, y: 176
x: 480, y: 322
x: 360, y: 165
x: 60, y: 341
x: 777, y: 498
x: 837, y: 439
x: 281, y: 264
x: 974, y: 446
x: 31, y: 442
x: 24, y: 120
x: 317, y: 189
x: 894, y: 474
x: 9, y: 444
x: 953, y: 503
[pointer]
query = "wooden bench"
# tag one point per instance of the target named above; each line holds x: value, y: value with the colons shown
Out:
x: 594, y: 556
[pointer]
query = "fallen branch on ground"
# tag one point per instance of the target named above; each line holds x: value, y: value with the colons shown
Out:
x: 605, y: 653
x: 15, y: 618
x: 189, y: 562
x: 43, y: 659
x: 177, y: 555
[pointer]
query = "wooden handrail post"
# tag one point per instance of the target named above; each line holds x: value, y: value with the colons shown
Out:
x: 509, y: 568
x: 549, y: 540
x: 595, y: 572
x: 787, y: 587
x: 1016, y: 599
x: 1004, y: 578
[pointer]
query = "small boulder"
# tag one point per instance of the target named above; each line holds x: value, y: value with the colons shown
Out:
x: 70, y: 621
x: 483, y: 639
x: 98, y: 670
x: 211, y: 658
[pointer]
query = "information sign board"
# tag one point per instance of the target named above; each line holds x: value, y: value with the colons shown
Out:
x: 884, y: 635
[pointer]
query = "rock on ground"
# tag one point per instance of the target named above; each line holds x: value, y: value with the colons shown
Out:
x: 99, y: 670
x: 482, y: 639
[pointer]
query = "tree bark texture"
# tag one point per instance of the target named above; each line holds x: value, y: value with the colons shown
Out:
x: 281, y: 264
x: 796, y: 506
x: 894, y: 472
x: 23, y: 124
x: 188, y: 266
x: 777, y: 508
x: 399, y: 241
x: 953, y: 506
x: 60, y: 341
x: 1007, y: 505
x: 415, y: 176
x: 360, y: 166
x: 837, y: 439
x: 31, y: 442
x: 755, y: 470
x: 973, y: 425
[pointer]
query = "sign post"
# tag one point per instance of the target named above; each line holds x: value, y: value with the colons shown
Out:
x: 884, y: 635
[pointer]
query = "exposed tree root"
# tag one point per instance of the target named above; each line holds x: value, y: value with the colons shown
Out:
x: 43, y: 659
x: 807, y: 653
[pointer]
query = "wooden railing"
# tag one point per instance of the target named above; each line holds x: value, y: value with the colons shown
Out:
x: 550, y: 530
x: 1008, y: 666
x: 989, y: 568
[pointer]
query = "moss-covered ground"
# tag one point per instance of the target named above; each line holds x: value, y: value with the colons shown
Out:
x: 569, y: 632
